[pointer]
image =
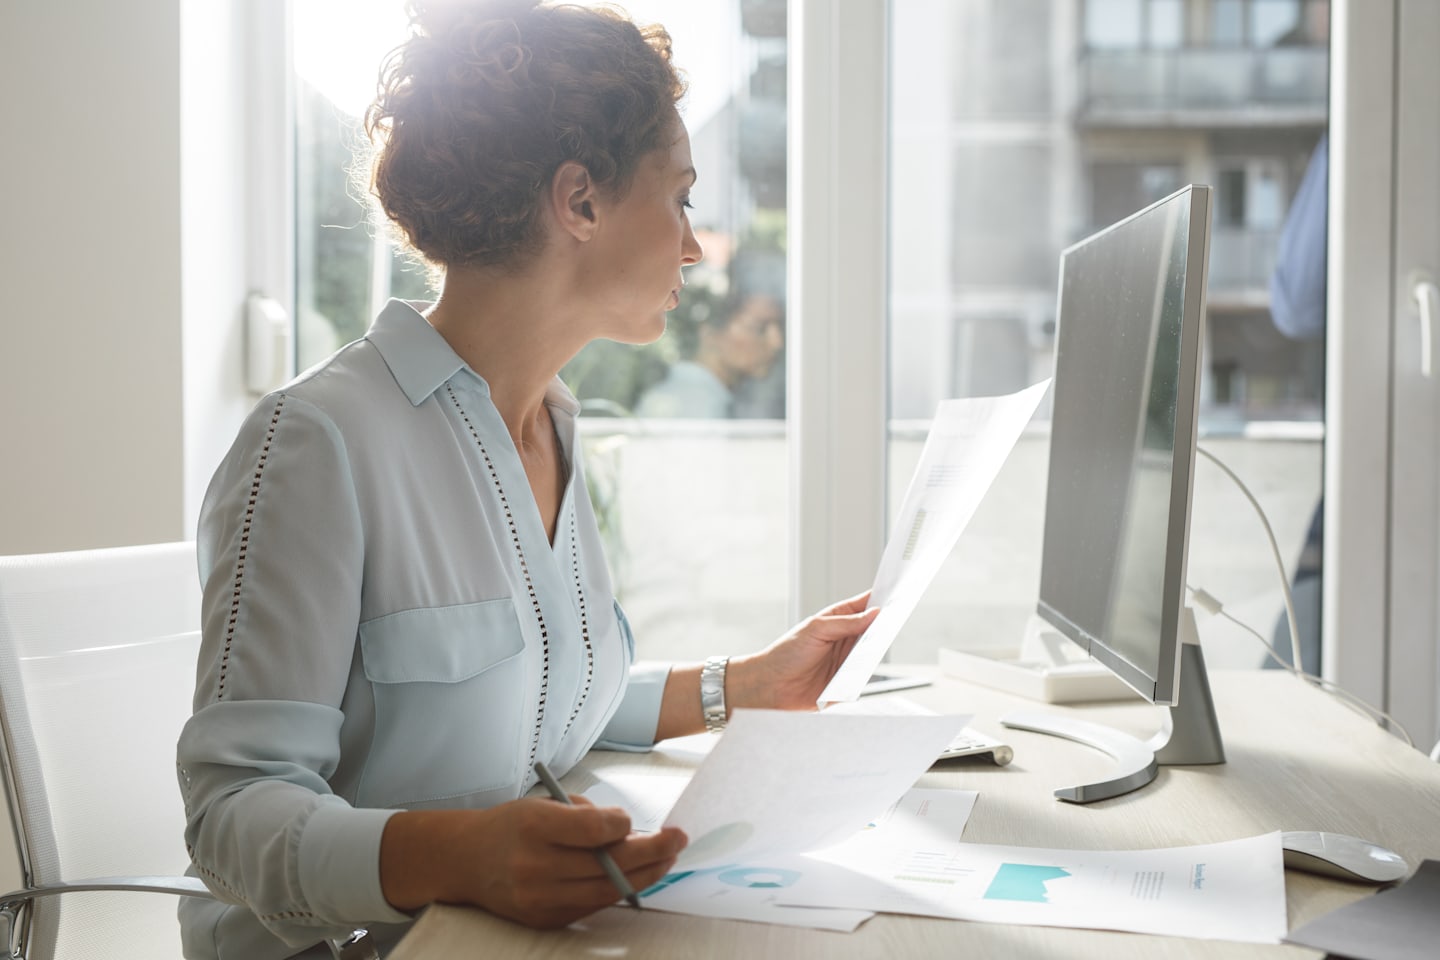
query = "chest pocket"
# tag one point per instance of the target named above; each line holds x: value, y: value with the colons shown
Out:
x: 449, y: 702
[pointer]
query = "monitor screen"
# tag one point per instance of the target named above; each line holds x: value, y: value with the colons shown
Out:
x: 1122, y: 444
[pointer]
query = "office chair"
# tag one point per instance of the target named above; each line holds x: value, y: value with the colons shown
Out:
x: 97, y: 672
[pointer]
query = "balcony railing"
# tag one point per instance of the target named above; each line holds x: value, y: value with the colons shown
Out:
x: 1242, y: 259
x: 1136, y: 85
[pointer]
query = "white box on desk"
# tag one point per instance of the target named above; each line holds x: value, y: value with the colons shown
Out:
x: 1082, y: 681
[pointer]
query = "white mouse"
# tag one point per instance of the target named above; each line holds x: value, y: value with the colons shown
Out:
x: 1338, y: 855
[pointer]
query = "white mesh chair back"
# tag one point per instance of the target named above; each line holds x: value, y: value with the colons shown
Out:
x: 97, y: 672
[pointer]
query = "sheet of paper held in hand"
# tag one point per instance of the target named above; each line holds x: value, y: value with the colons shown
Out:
x: 782, y: 782
x: 967, y: 444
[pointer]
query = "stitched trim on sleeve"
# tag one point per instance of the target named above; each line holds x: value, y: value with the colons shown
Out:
x: 210, y: 876
x: 288, y: 915
x: 245, y: 546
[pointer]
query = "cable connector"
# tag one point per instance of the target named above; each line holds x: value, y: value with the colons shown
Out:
x: 1205, y: 601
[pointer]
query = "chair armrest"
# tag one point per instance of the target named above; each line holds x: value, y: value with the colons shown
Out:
x: 358, y: 946
x: 180, y: 886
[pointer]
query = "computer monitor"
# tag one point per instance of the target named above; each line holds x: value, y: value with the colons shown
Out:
x: 1130, y: 317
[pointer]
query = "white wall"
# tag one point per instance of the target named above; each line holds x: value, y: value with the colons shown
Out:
x: 90, y: 356
x: 124, y: 266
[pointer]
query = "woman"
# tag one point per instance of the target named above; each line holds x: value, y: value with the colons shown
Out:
x: 405, y: 601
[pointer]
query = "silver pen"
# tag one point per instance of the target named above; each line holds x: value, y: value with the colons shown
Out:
x: 606, y: 861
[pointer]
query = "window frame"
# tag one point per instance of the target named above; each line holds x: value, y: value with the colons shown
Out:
x: 837, y: 374
x: 837, y: 358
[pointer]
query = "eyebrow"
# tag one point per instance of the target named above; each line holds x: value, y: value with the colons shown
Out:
x: 693, y: 175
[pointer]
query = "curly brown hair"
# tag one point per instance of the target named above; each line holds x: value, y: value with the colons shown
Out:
x: 485, y: 101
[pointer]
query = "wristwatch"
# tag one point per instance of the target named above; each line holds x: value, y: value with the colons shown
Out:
x: 712, y: 693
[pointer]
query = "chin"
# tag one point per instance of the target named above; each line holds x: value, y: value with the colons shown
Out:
x: 640, y: 334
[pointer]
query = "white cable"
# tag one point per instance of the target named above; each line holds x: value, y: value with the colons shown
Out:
x: 1435, y: 752
x: 1275, y: 549
x: 1296, y: 665
x: 1213, y: 606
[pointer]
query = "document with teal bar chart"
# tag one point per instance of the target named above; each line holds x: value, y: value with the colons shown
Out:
x: 1233, y: 890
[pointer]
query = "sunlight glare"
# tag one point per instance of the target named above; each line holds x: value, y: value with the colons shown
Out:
x: 345, y: 70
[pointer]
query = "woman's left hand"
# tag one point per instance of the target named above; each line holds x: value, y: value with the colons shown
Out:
x: 792, y: 672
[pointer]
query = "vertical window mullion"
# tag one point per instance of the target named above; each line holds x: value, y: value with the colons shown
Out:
x: 837, y: 359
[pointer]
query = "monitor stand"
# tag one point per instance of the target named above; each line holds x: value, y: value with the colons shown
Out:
x: 1189, y: 734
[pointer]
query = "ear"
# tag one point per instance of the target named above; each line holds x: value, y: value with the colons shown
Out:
x: 573, y: 198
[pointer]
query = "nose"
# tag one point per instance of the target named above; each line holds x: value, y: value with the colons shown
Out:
x: 774, y: 337
x: 690, y: 250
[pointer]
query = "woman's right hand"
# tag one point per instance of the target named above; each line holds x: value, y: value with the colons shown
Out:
x: 530, y: 860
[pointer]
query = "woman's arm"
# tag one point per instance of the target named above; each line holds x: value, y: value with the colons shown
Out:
x: 280, y: 553
x: 790, y: 674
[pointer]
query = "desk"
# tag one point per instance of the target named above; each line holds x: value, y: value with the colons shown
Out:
x: 1296, y: 760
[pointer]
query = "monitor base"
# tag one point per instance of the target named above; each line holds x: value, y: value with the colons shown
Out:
x: 1190, y: 733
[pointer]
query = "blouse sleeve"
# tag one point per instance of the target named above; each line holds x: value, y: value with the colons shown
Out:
x: 633, y: 726
x: 281, y: 549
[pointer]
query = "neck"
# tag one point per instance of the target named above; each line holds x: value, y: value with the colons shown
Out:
x: 511, y: 330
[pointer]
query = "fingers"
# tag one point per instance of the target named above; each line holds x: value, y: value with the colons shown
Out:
x: 842, y: 626
x: 644, y: 850
x: 638, y: 853
x: 583, y: 825
x: 578, y: 898
x: 855, y: 604
x: 534, y: 860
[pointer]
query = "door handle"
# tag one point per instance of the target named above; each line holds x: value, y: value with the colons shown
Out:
x: 1427, y: 300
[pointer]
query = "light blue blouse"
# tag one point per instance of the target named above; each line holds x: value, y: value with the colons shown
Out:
x: 386, y: 626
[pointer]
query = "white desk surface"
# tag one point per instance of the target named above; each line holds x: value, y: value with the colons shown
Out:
x: 1296, y: 760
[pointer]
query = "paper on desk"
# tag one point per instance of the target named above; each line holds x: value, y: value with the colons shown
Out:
x: 747, y: 893
x: 1222, y: 891
x: 751, y: 892
x: 964, y: 451
x: 647, y: 798
x: 781, y: 782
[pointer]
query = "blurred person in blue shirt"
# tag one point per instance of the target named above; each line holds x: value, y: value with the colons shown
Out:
x: 1297, y: 307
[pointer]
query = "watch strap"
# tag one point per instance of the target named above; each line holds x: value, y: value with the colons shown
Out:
x: 712, y: 693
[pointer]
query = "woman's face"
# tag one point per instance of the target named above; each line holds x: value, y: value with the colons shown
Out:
x: 646, y: 241
x: 748, y: 344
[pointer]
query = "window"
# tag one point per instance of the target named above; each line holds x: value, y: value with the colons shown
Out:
x: 1002, y: 189
x: 939, y: 333
x: 1130, y: 24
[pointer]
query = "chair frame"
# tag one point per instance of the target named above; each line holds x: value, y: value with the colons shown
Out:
x: 16, y: 906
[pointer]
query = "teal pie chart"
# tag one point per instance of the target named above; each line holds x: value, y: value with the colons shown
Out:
x: 759, y: 877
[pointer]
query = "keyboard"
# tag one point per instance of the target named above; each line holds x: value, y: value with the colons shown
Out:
x: 973, y: 743
x: 969, y: 742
